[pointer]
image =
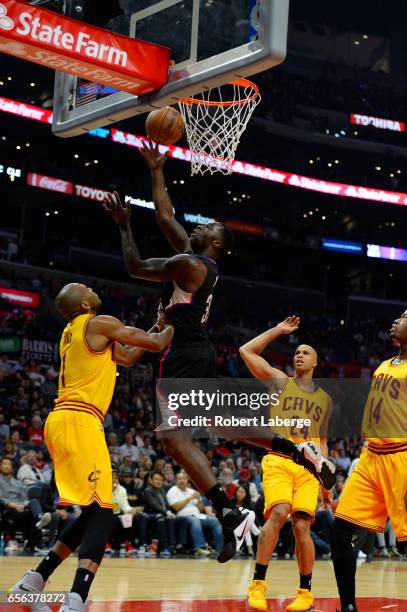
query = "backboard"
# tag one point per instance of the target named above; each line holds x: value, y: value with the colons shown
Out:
x: 212, y: 42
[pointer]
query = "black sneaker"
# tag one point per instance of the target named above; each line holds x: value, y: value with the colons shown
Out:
x: 235, y: 525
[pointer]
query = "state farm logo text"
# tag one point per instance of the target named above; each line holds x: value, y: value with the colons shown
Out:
x: 78, y: 42
x: 5, y: 22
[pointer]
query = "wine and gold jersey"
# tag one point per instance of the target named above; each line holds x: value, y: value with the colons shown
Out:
x: 385, y: 415
x: 87, y: 377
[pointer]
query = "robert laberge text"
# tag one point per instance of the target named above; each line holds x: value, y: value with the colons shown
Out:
x: 232, y: 421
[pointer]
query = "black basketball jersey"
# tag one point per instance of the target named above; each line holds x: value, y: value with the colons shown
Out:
x: 189, y: 312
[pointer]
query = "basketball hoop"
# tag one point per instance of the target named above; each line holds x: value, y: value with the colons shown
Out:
x: 214, y: 125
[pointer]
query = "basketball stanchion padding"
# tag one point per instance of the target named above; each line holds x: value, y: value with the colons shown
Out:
x: 215, y: 121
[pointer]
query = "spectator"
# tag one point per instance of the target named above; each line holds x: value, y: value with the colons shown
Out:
x: 226, y: 481
x: 29, y: 474
x: 186, y: 502
x: 244, y: 479
x: 147, y: 450
x: 36, y: 431
x: 113, y: 448
x: 129, y: 449
x: 343, y: 461
x: 160, y: 517
x: 123, y: 529
x: 44, y: 466
x: 320, y: 533
x: 136, y: 500
x: 169, y: 477
x: 10, y: 452
x: 18, y: 514
x: 4, y: 428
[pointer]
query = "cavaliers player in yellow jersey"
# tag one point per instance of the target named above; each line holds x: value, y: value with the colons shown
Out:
x: 288, y: 487
x: 377, y: 488
x: 90, y: 349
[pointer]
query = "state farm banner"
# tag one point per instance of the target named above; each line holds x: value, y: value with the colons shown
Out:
x: 21, y: 109
x: 50, y: 183
x: 22, y: 298
x: 95, y: 54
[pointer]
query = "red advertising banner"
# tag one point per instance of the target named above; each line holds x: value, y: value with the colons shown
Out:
x: 378, y: 122
x: 22, y: 298
x: 43, y: 37
x: 49, y: 182
x: 25, y: 110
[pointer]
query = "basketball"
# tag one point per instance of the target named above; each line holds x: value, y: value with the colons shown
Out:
x: 165, y: 126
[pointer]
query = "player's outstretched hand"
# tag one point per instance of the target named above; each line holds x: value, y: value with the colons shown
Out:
x: 309, y: 456
x: 289, y: 325
x: 114, y: 207
x: 152, y: 155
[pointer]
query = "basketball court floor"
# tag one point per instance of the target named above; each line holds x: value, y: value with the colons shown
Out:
x: 202, y: 585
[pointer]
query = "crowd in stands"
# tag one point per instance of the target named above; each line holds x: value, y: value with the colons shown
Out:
x: 358, y: 341
x: 157, y: 510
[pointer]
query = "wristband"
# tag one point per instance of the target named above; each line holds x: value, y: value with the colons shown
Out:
x: 284, y: 446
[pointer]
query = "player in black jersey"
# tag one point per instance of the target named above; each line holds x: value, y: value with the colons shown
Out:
x: 191, y: 276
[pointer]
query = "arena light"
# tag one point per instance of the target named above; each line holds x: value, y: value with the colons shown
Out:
x: 11, y: 172
x: 342, y: 246
x: 379, y: 251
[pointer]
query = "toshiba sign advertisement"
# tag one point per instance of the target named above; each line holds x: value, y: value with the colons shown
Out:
x: 378, y: 122
x: 53, y: 40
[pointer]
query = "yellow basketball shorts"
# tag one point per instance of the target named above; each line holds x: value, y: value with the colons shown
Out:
x: 285, y: 482
x: 375, y: 490
x: 83, y: 471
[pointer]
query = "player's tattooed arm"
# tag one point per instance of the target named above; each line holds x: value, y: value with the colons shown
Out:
x: 187, y: 271
x: 172, y: 230
x: 251, y: 352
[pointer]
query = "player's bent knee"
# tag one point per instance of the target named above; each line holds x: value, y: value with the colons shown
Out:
x: 301, y: 524
x: 279, y: 513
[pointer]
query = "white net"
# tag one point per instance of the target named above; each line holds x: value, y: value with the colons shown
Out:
x: 215, y: 121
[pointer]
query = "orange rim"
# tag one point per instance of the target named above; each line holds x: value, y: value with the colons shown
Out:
x: 239, y: 82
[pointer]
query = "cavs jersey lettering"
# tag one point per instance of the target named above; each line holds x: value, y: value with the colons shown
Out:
x: 87, y: 377
x: 385, y: 415
x: 296, y: 403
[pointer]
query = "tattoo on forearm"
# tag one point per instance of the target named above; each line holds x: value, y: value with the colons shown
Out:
x: 130, y: 251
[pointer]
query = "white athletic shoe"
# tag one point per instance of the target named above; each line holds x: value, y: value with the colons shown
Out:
x: 73, y: 603
x: 310, y: 456
x: 31, y: 583
x: 235, y: 525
